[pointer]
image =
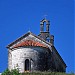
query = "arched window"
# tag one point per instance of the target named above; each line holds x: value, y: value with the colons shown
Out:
x: 27, y: 65
x: 44, y: 26
x: 48, y: 39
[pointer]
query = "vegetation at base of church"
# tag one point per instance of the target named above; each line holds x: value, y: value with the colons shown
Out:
x: 46, y: 73
x: 16, y: 72
x: 12, y: 72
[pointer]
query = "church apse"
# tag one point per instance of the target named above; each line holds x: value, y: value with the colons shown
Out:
x: 35, y: 53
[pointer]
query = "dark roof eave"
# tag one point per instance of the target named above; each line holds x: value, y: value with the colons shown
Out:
x: 17, y: 40
x: 59, y: 56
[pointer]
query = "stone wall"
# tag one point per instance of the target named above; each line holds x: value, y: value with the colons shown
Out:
x: 36, y: 56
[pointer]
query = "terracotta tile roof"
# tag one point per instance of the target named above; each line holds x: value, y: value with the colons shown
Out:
x: 29, y: 43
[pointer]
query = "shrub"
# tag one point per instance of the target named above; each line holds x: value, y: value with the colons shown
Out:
x: 6, y: 72
x: 12, y: 72
x: 15, y: 72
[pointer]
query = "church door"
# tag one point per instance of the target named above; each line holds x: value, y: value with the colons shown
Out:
x: 27, y: 65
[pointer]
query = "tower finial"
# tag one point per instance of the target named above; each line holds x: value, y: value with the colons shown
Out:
x: 29, y: 30
x: 45, y: 16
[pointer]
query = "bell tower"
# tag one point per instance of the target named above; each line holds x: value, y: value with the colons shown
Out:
x: 45, y: 34
x: 42, y: 25
x: 45, y: 31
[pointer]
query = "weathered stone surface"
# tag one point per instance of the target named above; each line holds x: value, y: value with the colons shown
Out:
x: 43, y: 57
x: 36, y: 56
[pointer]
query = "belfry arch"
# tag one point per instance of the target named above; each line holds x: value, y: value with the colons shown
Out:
x: 42, y: 25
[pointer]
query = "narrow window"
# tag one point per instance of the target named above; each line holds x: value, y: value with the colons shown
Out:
x: 44, y: 26
x: 48, y: 39
x: 27, y: 65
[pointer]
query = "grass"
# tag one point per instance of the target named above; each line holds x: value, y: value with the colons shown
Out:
x: 16, y: 72
x: 47, y: 73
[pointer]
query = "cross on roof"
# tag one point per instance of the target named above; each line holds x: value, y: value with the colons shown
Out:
x: 45, y: 16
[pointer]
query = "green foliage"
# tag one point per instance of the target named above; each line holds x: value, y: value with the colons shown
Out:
x: 16, y: 72
x: 12, y: 72
x: 6, y: 72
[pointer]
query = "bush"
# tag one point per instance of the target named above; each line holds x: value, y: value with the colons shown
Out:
x: 6, y: 72
x: 15, y: 72
x: 12, y: 72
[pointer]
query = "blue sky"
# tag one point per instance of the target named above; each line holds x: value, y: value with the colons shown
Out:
x: 17, y: 17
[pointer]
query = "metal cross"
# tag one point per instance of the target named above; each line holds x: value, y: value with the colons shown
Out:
x: 29, y: 30
x: 45, y: 16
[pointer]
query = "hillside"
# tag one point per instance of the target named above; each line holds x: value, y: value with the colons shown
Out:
x: 16, y: 72
x: 47, y: 73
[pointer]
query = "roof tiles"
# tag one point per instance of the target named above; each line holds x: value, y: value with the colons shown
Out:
x: 29, y: 43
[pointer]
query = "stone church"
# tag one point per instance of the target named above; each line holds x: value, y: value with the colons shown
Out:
x: 35, y: 53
